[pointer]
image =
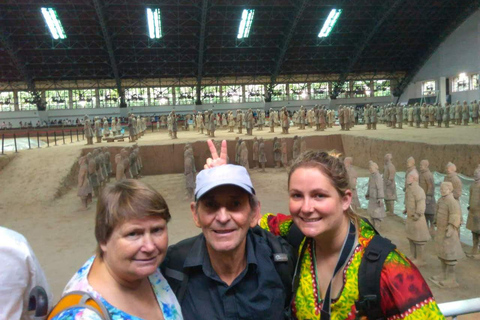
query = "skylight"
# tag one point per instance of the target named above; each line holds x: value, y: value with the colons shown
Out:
x: 329, y: 23
x: 154, y: 23
x: 246, y: 23
x: 54, y: 25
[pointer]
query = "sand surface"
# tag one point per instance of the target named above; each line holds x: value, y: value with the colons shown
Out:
x: 62, y: 235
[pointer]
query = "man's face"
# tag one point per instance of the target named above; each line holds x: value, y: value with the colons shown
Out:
x: 224, y: 215
x: 444, y: 190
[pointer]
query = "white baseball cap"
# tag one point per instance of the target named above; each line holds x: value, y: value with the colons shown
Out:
x: 228, y: 174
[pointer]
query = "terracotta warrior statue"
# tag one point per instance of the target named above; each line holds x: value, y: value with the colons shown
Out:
x: 249, y: 122
x: 231, y: 121
x: 352, y: 179
x: 131, y: 128
x: 465, y: 113
x: 428, y: 185
x: 447, y: 241
x: 475, y: 111
x: 473, y: 220
x: 410, y: 167
x: 439, y: 115
x: 410, y: 116
x: 238, y: 150
x: 424, y: 115
x: 84, y: 187
x: 375, y: 196
x: 174, y: 124
x: 211, y: 125
x: 452, y: 177
x: 87, y: 129
x: 416, y: 225
x: 98, y: 129
x: 285, y: 120
x: 120, y: 168
x: 92, y: 174
x: 239, y: 120
x: 284, y: 153
x: 389, y: 184
x: 446, y: 115
x: 271, y: 120
x: 277, y: 152
x: 255, y: 153
x: 262, y: 156
x: 244, y: 155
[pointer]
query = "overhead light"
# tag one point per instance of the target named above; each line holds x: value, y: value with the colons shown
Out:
x: 53, y: 23
x: 245, y: 23
x: 154, y: 23
x: 329, y: 23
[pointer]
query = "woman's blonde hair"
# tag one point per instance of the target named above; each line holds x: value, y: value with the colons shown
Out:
x: 332, y: 166
x: 124, y: 200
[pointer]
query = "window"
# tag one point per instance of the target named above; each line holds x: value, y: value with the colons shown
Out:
x: 83, y: 99
x: 185, y: 95
x: 319, y: 90
x: 299, y: 91
x: 461, y: 83
x: 279, y: 92
x: 254, y: 92
x: 26, y: 101
x: 361, y: 89
x: 161, y: 96
x: 474, y: 83
x: 136, y: 97
x: 7, y: 101
x: 232, y: 94
x: 428, y: 88
x: 381, y: 88
x: 109, y: 98
x: 56, y: 99
x: 211, y: 94
x: 344, y: 90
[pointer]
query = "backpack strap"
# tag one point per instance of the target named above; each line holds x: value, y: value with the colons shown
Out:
x: 294, y: 237
x: 173, y: 268
x: 79, y: 299
x: 369, y: 276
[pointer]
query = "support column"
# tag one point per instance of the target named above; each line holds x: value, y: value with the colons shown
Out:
x: 174, y: 96
x: 16, y: 106
x: 442, y: 87
x: 70, y: 99
x: 309, y: 88
x: 243, y: 94
x: 97, y: 98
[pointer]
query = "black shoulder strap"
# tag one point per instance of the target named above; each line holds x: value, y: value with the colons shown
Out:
x: 294, y: 237
x: 173, y: 269
x: 369, y: 275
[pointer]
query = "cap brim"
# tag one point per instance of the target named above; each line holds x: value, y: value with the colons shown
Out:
x: 201, y: 192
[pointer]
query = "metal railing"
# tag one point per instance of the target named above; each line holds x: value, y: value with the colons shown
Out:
x: 457, y: 308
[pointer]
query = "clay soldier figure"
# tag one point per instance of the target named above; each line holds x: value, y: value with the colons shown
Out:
x: 225, y: 120
x: 418, y: 115
x: 373, y: 117
x: 316, y: 117
x: 212, y: 124
x: 475, y: 111
x: 405, y: 115
x: 189, y: 171
x: 453, y: 178
x: 200, y: 124
x: 446, y: 115
x: 239, y: 121
x: 473, y: 220
x: 323, y: 118
x: 465, y: 113
x: 393, y: 116
x: 302, y: 117
x: 296, y: 148
x: 415, y: 224
x: 244, y: 155
x: 98, y: 129
x: 458, y: 113
x: 439, y: 115
x: 255, y: 152
x: 447, y: 241
x: 284, y: 154
x: 238, y: 141
x: 277, y: 152
x: 399, y: 111
x: 106, y: 131
x: 352, y: 180
x: 341, y: 118
x: 261, y: 119
x: 92, y: 174
x: 133, y: 163
x: 174, y: 124
x: 119, y: 127
x: 84, y: 187
x: 231, y: 121
x: 114, y: 127
x: 99, y: 167
x: 428, y: 185
x: 424, y: 115
x: 87, y: 129
x: 431, y: 115
x: 410, y: 167
x: 331, y: 119
x: 134, y: 126
x: 249, y: 122
x: 389, y: 184
x: 262, y: 156
x: 410, y: 116
x: 285, y: 120
x: 346, y: 118
x: 366, y: 114
x: 375, y: 196
x: 206, y: 116
x: 271, y: 119
x: 131, y: 130
x: 276, y: 118
x: 303, y: 145
x: 126, y: 163
x: 120, y: 168
x: 107, y: 161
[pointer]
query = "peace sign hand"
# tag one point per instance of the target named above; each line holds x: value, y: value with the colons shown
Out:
x: 215, y: 160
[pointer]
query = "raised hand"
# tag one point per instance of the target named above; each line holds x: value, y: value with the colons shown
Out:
x: 216, y: 160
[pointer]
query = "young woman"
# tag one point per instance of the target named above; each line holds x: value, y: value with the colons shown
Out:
x: 319, y: 203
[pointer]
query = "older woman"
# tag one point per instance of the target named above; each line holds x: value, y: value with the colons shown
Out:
x: 132, y: 240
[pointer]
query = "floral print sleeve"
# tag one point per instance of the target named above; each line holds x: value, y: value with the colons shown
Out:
x: 278, y: 224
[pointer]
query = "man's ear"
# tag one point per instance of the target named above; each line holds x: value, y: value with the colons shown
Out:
x: 194, y: 214
x: 255, y: 216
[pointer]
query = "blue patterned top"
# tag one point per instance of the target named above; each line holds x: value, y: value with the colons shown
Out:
x: 165, y: 297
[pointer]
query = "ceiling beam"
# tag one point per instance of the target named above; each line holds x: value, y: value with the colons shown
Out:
x: 286, y: 43
x: 201, y: 51
x: 360, y: 48
x: 108, y: 42
x: 405, y: 81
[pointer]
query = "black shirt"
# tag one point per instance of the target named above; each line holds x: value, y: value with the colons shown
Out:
x: 257, y: 293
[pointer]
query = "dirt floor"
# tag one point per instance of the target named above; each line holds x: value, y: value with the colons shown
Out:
x: 35, y: 201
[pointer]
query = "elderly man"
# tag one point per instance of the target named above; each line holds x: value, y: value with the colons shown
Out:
x: 228, y: 271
